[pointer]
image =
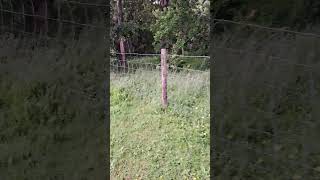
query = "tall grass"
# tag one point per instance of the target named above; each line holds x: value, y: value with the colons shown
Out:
x: 51, y: 109
x: 266, y: 105
x: 148, y: 142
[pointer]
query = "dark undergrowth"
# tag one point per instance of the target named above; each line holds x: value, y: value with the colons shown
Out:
x: 266, y: 106
x: 51, y: 109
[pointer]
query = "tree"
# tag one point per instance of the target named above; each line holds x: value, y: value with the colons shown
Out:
x: 180, y: 25
x: 123, y: 62
x: 37, y: 12
x: 277, y: 13
x: 40, y: 11
x: 184, y: 25
x: 137, y: 20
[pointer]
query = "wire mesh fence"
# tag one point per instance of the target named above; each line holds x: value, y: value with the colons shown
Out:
x: 151, y: 62
x: 266, y: 111
x: 177, y: 67
x: 136, y: 97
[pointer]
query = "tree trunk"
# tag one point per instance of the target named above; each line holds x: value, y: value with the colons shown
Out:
x: 41, y: 15
x: 123, y: 61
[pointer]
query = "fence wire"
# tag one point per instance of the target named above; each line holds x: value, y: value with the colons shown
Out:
x: 151, y: 62
x: 73, y: 28
x: 266, y: 102
x: 186, y: 75
x: 52, y: 18
x: 52, y: 77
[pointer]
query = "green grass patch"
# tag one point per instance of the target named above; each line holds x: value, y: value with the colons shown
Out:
x: 150, y: 143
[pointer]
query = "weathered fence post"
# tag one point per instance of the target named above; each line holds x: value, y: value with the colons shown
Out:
x: 164, y: 75
x: 123, y: 62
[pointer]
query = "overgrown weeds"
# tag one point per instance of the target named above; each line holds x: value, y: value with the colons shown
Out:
x: 51, y: 108
x: 266, y: 105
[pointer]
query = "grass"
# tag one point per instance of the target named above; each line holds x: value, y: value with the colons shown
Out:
x: 148, y: 142
x: 51, y: 118
x: 266, y: 109
x: 198, y: 63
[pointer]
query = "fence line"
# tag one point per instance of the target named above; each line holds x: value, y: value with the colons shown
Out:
x: 279, y: 59
x: 267, y: 113
x: 156, y: 66
x: 86, y: 4
x: 170, y: 55
x: 268, y: 28
x: 164, y: 68
x: 32, y: 34
x: 9, y: 26
x: 139, y: 54
x: 53, y: 19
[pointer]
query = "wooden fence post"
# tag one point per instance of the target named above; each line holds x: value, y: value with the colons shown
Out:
x: 164, y: 75
x: 123, y: 61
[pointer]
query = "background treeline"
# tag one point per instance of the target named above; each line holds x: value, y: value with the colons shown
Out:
x: 184, y: 25
x: 52, y: 98
x: 51, y: 17
x: 266, y: 84
x: 297, y: 14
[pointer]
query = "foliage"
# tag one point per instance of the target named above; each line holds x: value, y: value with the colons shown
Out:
x: 57, y: 9
x: 278, y: 13
x: 184, y: 26
x: 179, y: 26
x: 47, y: 96
x: 135, y: 28
x: 266, y: 107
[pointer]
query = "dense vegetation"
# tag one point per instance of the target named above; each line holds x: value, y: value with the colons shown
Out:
x: 147, y: 141
x: 266, y: 110
x: 51, y: 109
x: 266, y: 87
x: 293, y: 14
x: 55, y: 18
x: 184, y: 25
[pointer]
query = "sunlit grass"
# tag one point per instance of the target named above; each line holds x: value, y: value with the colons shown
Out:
x: 149, y: 143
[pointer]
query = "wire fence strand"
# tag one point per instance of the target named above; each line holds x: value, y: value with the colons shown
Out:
x: 53, y: 19
x: 86, y: 4
x: 252, y: 87
x: 268, y: 28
